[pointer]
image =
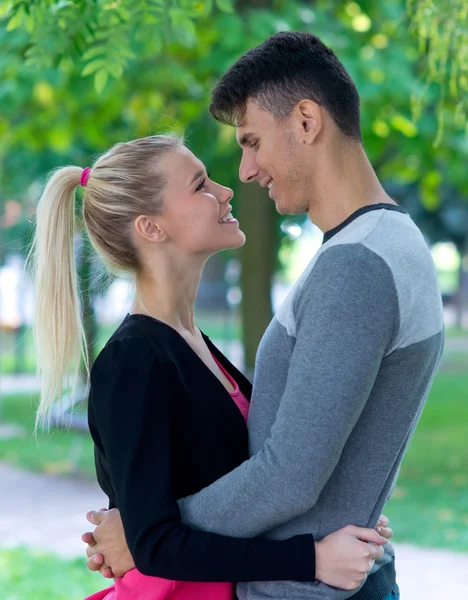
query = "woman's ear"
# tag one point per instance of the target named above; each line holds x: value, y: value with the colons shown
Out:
x: 149, y: 229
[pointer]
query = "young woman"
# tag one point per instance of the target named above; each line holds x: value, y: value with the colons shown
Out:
x: 167, y: 411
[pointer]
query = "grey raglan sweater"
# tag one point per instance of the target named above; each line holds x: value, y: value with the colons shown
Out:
x: 342, y: 375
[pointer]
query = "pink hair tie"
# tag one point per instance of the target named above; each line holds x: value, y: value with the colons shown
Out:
x: 85, y: 176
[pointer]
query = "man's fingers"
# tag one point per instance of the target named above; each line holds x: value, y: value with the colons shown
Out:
x: 386, y: 532
x: 367, y: 535
x: 378, y: 552
x: 88, y: 538
x: 383, y: 521
x: 96, y: 517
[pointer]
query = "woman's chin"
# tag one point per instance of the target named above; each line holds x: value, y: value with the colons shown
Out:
x: 236, y: 241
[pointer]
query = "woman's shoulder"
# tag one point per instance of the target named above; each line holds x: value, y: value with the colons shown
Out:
x: 136, y: 341
x: 135, y: 357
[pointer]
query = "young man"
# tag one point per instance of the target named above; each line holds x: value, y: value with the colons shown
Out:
x: 346, y: 365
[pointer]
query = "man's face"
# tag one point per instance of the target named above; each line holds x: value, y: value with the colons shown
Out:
x: 273, y: 155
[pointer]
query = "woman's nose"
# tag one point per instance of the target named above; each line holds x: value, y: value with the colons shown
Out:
x: 226, y: 196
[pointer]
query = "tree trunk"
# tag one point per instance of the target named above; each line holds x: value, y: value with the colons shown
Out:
x: 257, y: 217
x: 460, y: 295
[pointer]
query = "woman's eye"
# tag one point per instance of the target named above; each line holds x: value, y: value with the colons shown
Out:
x: 201, y: 186
x: 255, y: 145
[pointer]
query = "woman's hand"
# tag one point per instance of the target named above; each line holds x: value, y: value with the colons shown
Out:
x: 107, y: 549
x: 344, y: 557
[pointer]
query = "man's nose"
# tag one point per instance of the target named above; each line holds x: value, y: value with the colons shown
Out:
x: 248, y: 170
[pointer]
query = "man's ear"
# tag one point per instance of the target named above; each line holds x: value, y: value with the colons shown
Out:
x: 149, y: 229
x: 310, y: 120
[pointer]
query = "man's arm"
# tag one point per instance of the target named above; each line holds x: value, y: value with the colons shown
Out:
x: 346, y: 317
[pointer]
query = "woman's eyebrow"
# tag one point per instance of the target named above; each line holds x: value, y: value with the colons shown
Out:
x: 197, y: 175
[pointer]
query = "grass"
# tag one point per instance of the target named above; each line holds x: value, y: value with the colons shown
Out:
x: 29, y: 575
x: 430, y: 503
x: 60, y: 452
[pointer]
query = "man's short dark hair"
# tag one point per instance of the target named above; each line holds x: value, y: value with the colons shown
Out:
x: 286, y: 68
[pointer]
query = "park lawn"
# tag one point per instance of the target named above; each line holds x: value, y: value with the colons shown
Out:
x: 31, y: 575
x: 58, y: 452
x: 430, y: 503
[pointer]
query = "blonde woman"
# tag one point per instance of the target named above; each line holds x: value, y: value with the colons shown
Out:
x: 167, y: 411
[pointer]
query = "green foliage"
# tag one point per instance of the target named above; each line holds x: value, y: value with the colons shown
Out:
x: 149, y: 79
x: 442, y: 31
x: 32, y: 575
x: 101, y: 36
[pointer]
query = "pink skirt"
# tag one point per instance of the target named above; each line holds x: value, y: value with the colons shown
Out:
x: 136, y: 586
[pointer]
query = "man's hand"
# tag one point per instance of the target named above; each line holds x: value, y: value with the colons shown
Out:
x: 107, y: 549
x: 344, y: 557
x: 383, y: 527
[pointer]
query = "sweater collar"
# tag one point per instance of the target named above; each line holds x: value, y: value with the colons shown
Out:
x: 361, y: 211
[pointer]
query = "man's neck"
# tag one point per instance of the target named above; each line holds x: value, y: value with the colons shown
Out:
x: 348, y: 183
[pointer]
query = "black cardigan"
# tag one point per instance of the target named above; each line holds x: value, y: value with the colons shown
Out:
x: 165, y: 427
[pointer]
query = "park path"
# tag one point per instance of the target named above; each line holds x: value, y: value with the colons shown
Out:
x: 40, y: 511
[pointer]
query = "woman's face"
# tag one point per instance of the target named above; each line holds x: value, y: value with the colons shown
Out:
x: 197, y: 211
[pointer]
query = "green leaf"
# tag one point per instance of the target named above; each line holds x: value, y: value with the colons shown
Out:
x: 100, y: 80
x: 116, y: 71
x: 93, y: 66
x: 127, y: 53
x: 16, y: 21
x: 96, y: 50
x: 186, y: 32
x: 225, y: 5
x: 5, y: 6
x: 178, y: 15
x: 124, y: 14
x: 29, y: 23
x: 204, y: 7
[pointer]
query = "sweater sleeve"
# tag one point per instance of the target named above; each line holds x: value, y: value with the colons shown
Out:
x: 133, y: 403
x: 346, y: 316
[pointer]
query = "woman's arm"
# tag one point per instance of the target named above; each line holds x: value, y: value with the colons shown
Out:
x: 343, y: 558
x: 131, y: 396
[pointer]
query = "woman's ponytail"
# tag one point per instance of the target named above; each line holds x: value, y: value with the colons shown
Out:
x: 58, y: 330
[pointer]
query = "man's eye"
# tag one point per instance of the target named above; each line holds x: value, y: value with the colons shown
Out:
x: 201, y: 186
x: 254, y: 145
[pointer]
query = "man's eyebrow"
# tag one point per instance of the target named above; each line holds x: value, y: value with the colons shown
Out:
x: 197, y: 175
x: 246, y: 139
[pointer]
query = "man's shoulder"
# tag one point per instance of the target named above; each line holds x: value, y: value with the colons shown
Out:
x: 339, y: 263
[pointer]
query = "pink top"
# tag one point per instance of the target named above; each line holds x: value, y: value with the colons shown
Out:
x: 242, y: 403
x: 136, y: 586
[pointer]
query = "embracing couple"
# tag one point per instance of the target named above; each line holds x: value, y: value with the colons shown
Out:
x: 204, y: 507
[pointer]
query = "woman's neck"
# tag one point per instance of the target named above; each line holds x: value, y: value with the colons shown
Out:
x: 167, y: 292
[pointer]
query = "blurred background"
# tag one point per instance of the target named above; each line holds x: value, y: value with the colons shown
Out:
x: 78, y: 76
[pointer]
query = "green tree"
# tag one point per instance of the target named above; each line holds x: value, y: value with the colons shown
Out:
x: 442, y: 31
x: 53, y: 114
